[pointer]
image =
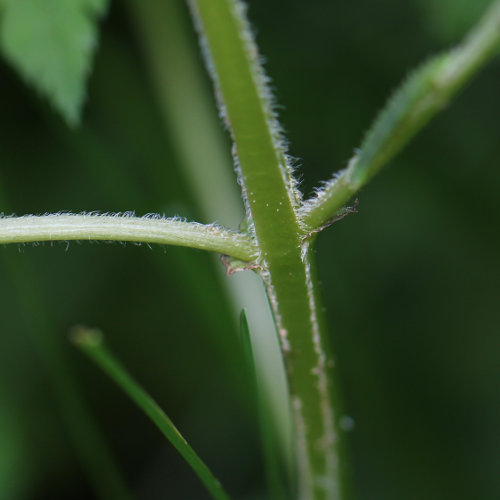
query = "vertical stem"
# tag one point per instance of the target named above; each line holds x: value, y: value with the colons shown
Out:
x: 191, y: 118
x: 286, y: 263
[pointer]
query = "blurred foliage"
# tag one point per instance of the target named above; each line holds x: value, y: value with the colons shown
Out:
x: 410, y: 282
x: 449, y: 20
x: 13, y: 450
x: 51, y: 43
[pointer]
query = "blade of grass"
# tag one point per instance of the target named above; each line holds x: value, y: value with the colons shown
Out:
x: 275, y: 470
x: 91, y: 343
x: 186, y: 106
x: 426, y: 92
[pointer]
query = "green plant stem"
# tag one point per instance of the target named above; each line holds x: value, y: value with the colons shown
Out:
x: 59, y: 227
x: 91, y: 342
x: 426, y: 92
x: 285, y: 261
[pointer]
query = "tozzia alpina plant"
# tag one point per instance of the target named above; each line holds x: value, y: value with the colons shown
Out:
x: 280, y: 228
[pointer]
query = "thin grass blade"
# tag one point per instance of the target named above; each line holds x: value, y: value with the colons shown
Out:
x: 91, y: 343
x: 275, y: 468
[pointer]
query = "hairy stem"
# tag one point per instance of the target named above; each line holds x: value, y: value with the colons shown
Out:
x: 426, y: 92
x: 61, y: 227
x: 271, y: 199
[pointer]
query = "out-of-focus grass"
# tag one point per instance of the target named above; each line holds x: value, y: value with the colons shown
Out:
x: 91, y: 342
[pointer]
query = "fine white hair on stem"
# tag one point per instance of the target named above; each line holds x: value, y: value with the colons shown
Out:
x: 125, y: 227
x: 319, y: 193
x: 267, y: 99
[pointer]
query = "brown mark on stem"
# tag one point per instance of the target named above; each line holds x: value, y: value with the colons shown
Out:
x: 233, y: 265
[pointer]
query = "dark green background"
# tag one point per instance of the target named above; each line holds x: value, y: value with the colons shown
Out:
x: 411, y: 283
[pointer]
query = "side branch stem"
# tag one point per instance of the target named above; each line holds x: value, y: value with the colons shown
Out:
x: 426, y: 92
x: 58, y: 227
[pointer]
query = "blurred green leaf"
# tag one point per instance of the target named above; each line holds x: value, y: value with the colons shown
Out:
x: 95, y: 7
x: 448, y: 20
x: 51, y: 43
x: 13, y: 467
